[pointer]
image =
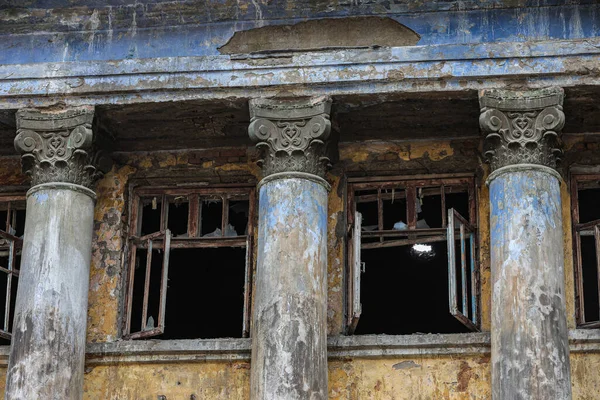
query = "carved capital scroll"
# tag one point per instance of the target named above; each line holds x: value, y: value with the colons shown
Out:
x: 522, y: 127
x: 59, y: 146
x: 291, y: 134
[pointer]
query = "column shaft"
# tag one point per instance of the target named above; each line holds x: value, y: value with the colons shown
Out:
x: 289, y: 324
x: 48, y: 343
x: 530, y: 344
x: 289, y: 356
x: 59, y: 153
x: 530, y: 353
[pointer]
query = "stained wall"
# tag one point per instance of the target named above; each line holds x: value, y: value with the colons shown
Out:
x: 409, y: 377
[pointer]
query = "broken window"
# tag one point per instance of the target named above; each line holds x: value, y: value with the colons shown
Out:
x: 585, y: 191
x: 12, y: 225
x: 190, y: 263
x: 412, y: 249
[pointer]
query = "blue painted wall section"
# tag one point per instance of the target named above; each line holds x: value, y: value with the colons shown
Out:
x: 92, y: 30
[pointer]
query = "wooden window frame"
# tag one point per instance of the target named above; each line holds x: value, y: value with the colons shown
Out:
x: 11, y: 243
x: 590, y: 228
x: 450, y: 221
x: 194, y: 195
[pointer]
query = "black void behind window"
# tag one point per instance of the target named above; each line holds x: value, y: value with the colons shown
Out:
x: 190, y: 264
x: 404, y: 279
x: 12, y: 226
x: 585, y: 194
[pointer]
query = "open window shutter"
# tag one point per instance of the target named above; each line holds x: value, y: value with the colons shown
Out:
x: 356, y: 270
x: 247, y: 288
x: 460, y: 277
x: 152, y: 241
x: 12, y: 243
x: 591, y: 228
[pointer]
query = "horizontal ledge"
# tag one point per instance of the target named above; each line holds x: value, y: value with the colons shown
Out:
x: 339, y: 347
x: 388, y: 70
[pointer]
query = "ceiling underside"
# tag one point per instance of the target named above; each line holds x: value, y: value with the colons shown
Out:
x: 401, y: 116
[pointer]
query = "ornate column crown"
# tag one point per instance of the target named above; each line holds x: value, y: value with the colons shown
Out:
x: 58, y: 146
x: 292, y: 134
x: 522, y: 127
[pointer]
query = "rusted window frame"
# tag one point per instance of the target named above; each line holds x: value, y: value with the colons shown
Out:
x: 591, y: 228
x: 12, y: 244
x: 194, y: 195
x: 413, y: 235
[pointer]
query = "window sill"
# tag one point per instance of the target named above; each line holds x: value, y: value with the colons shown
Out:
x: 339, y: 348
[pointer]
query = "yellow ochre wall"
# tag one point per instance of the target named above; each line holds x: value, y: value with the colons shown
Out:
x: 414, y: 378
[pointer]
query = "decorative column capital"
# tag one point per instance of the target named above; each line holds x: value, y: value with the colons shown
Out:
x: 291, y: 134
x: 59, y: 146
x: 522, y: 127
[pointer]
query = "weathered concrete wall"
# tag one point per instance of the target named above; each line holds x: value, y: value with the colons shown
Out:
x: 431, y: 377
x: 91, y: 30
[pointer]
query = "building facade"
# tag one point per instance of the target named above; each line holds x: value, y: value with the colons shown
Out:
x: 299, y: 199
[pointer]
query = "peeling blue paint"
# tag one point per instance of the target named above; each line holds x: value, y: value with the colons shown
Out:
x: 96, y: 35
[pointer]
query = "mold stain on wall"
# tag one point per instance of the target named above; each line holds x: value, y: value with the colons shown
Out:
x: 432, y: 377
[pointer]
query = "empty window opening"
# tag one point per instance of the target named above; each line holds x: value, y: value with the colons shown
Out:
x: 12, y: 228
x: 211, y: 214
x: 177, y: 217
x: 400, y: 278
x: 191, y: 280
x: 586, y: 231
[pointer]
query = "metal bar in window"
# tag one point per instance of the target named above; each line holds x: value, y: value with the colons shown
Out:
x: 443, y: 196
x: 453, y: 218
x: 9, y: 237
x: 474, y: 283
x: 245, y: 321
x: 579, y: 298
x: 164, y: 213
x: 8, y: 217
x: 193, y: 216
x: 11, y: 259
x: 224, y: 215
x: 15, y: 272
x: 200, y: 203
x: 249, y: 265
x: 463, y: 271
x: 132, y: 260
x: 357, y: 269
x: 411, y: 206
x: 164, y: 279
x: 147, y: 284
x: 403, y: 242
x: 452, y: 264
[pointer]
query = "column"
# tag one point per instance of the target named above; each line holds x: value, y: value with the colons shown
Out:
x: 530, y: 346
x: 289, y: 332
x: 49, y: 331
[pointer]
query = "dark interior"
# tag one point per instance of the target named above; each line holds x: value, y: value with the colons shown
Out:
x: 205, y: 295
x: 403, y: 290
x: 589, y: 211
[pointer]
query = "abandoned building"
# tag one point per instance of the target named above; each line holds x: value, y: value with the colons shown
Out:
x: 258, y: 199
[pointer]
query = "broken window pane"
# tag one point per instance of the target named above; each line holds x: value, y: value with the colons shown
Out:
x: 394, y: 209
x: 399, y: 254
x: 457, y: 197
x: 213, y: 277
x: 413, y: 279
x: 429, y: 208
x: 203, y: 263
x: 211, y: 217
x: 587, y: 196
x: 151, y: 215
x: 366, y: 204
x: 238, y: 216
x: 177, y: 219
x: 590, y: 278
